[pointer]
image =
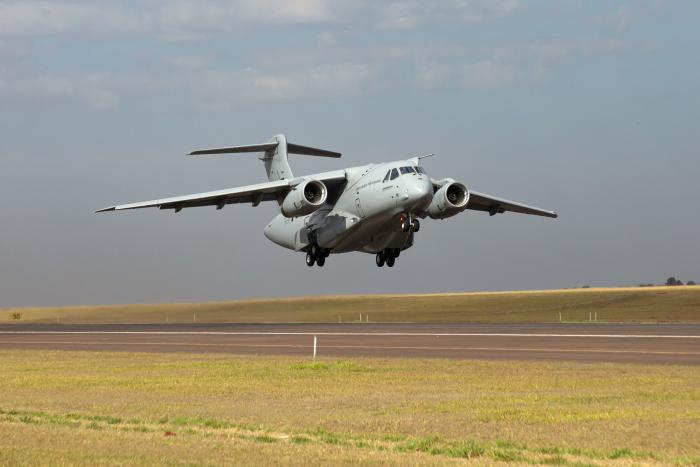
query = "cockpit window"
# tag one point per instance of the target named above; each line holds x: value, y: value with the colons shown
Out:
x: 420, y: 170
x: 406, y: 170
x: 394, y: 174
x: 386, y: 177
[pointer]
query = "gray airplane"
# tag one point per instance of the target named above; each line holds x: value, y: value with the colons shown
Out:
x: 372, y: 208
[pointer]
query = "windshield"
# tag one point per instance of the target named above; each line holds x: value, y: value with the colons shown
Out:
x: 406, y: 170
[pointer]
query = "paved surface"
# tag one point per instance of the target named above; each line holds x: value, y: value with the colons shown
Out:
x: 653, y: 343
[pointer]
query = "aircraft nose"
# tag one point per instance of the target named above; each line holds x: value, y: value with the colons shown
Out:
x: 420, y: 194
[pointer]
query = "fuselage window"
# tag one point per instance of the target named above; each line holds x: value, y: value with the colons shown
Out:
x: 394, y: 174
x: 386, y: 177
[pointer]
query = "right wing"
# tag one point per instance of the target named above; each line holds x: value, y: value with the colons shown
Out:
x: 493, y: 205
x: 254, y: 194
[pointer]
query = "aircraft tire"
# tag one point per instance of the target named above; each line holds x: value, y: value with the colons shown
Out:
x: 310, y: 259
x: 380, y: 259
x: 390, y: 260
x: 405, y: 225
x: 320, y: 261
x: 415, y: 225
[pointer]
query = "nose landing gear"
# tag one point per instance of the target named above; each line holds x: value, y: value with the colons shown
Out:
x: 407, y: 223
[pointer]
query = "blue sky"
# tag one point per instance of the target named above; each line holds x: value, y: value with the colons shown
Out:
x: 589, y: 108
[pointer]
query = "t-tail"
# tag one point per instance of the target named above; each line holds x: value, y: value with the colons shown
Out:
x: 275, y: 155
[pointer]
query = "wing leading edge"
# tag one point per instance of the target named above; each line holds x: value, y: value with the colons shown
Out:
x: 253, y: 194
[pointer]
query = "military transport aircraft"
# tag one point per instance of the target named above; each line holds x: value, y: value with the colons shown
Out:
x: 372, y: 208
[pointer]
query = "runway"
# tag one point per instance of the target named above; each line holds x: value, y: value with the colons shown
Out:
x: 640, y: 343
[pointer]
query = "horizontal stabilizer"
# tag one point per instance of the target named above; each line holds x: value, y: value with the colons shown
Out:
x: 236, y: 149
x: 307, y: 151
x: 291, y: 149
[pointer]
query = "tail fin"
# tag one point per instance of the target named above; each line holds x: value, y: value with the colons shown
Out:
x: 275, y: 159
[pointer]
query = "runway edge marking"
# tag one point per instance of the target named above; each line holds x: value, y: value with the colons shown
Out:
x: 378, y: 334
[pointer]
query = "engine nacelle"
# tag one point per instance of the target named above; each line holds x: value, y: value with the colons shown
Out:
x: 304, y: 198
x: 448, y: 201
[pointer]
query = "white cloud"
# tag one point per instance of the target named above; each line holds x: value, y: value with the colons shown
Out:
x: 161, y: 18
x: 480, y: 10
x: 189, y: 62
x: 398, y: 16
x: 408, y: 15
x: 100, y: 91
x: 226, y: 89
x: 431, y: 75
x: 619, y: 18
x: 488, y: 74
x: 50, y: 18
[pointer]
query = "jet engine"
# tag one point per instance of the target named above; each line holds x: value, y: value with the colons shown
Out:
x: 304, y: 198
x: 448, y: 201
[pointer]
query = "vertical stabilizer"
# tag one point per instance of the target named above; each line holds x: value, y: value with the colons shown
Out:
x: 276, y: 163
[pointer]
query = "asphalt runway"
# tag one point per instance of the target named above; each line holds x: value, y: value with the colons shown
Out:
x: 594, y: 342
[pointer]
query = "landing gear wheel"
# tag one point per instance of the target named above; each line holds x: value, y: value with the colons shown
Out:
x: 380, y: 259
x: 415, y: 225
x: 390, y: 260
x: 405, y: 224
x: 310, y: 259
x: 320, y: 261
x: 397, y: 252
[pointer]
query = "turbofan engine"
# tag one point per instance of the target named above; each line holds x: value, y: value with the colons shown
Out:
x: 448, y: 201
x: 304, y: 198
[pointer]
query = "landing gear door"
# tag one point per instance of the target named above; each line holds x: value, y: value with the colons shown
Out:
x: 358, y: 206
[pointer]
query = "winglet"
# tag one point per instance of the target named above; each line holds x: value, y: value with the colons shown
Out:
x: 111, y: 208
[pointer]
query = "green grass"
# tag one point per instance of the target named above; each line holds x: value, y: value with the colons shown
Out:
x: 217, y: 409
x: 653, y: 304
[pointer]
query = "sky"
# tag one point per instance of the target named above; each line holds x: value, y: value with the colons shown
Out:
x: 589, y: 108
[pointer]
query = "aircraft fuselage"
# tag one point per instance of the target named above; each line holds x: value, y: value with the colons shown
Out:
x: 366, y: 215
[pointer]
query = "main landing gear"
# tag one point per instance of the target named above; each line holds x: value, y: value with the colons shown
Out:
x: 387, y: 257
x: 316, y: 255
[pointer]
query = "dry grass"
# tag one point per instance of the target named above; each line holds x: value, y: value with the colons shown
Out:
x: 120, y: 408
x: 653, y: 304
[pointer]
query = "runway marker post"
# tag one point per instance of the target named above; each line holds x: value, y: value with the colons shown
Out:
x: 315, y: 341
x: 560, y: 316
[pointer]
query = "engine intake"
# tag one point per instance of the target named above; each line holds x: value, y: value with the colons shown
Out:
x: 304, y: 198
x: 448, y: 201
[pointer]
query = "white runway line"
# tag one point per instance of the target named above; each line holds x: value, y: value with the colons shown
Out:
x: 378, y: 334
x: 366, y: 347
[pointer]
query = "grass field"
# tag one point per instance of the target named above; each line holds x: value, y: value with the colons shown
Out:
x: 121, y: 408
x: 653, y: 304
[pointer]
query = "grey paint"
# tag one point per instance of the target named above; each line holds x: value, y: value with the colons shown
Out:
x: 358, y: 209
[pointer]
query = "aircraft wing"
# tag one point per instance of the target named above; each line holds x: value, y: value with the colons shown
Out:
x: 253, y: 194
x: 493, y: 205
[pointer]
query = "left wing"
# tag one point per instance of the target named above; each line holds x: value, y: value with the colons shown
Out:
x: 492, y: 205
x: 253, y: 194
